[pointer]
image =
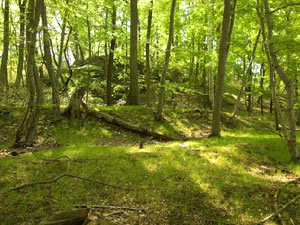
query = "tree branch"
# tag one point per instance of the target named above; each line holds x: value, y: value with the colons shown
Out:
x: 286, y: 6
x: 55, y: 179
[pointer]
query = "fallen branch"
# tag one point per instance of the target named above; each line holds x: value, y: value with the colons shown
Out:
x: 125, y: 125
x: 55, y: 179
x: 280, y: 210
x: 57, y: 159
x: 109, y: 207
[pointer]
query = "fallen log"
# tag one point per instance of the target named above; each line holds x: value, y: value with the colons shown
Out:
x: 125, y: 125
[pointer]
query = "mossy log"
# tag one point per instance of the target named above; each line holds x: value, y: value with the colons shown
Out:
x: 125, y: 125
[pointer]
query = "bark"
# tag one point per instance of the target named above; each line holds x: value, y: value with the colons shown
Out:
x: 49, y: 64
x: 148, y: 80
x: 244, y: 82
x: 291, y: 131
x: 26, y: 132
x: 4, y: 59
x: 216, y: 127
x: 109, y: 90
x: 162, y: 90
x: 133, y: 98
x: 22, y: 7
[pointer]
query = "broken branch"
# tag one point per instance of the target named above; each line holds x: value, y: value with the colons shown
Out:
x: 55, y: 179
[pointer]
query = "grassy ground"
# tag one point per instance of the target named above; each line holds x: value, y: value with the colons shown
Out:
x: 231, y: 180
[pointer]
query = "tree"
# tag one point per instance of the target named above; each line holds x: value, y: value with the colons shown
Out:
x: 22, y: 7
x: 26, y: 131
x: 148, y: 80
x: 133, y: 98
x: 49, y: 64
x: 216, y: 126
x: 162, y: 90
x: 290, y: 134
x: 3, y: 71
x: 109, y: 100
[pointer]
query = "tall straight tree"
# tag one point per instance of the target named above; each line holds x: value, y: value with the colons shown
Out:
x: 210, y: 45
x: 148, y: 80
x: 49, y: 64
x: 62, y: 42
x: 3, y: 71
x: 161, y: 98
x: 22, y: 6
x: 133, y: 98
x: 216, y: 126
x: 291, y: 132
x: 26, y: 131
x: 109, y: 90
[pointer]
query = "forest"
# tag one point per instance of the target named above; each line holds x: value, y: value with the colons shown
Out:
x: 149, y: 112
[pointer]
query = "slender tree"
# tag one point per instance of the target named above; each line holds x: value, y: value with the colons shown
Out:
x: 148, y: 80
x: 211, y: 79
x: 22, y: 7
x: 109, y: 90
x: 133, y: 98
x: 216, y: 126
x: 162, y: 90
x: 4, y: 60
x: 49, y: 64
x: 291, y: 132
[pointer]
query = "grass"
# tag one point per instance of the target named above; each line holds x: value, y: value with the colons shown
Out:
x: 229, y: 180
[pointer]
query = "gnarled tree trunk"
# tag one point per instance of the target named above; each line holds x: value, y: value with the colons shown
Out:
x: 73, y: 109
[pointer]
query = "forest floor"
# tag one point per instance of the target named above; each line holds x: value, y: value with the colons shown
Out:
x: 229, y: 180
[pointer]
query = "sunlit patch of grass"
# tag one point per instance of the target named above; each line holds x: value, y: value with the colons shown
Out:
x: 219, y: 179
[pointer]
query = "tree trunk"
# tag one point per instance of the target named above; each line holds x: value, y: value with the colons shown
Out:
x: 61, y: 46
x: 216, y: 127
x: 291, y: 132
x: 148, y: 80
x: 166, y: 65
x: 22, y: 7
x: 133, y: 98
x: 211, y: 79
x: 244, y: 82
x: 73, y: 109
x: 26, y: 132
x: 49, y: 65
x: 263, y: 71
x: 3, y: 71
x: 109, y: 90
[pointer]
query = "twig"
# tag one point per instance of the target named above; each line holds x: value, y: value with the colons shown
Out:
x: 109, y: 207
x: 279, y: 210
x: 276, y: 206
x: 62, y: 176
x: 56, y: 159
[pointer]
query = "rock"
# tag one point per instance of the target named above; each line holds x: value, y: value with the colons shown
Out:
x: 72, y: 217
